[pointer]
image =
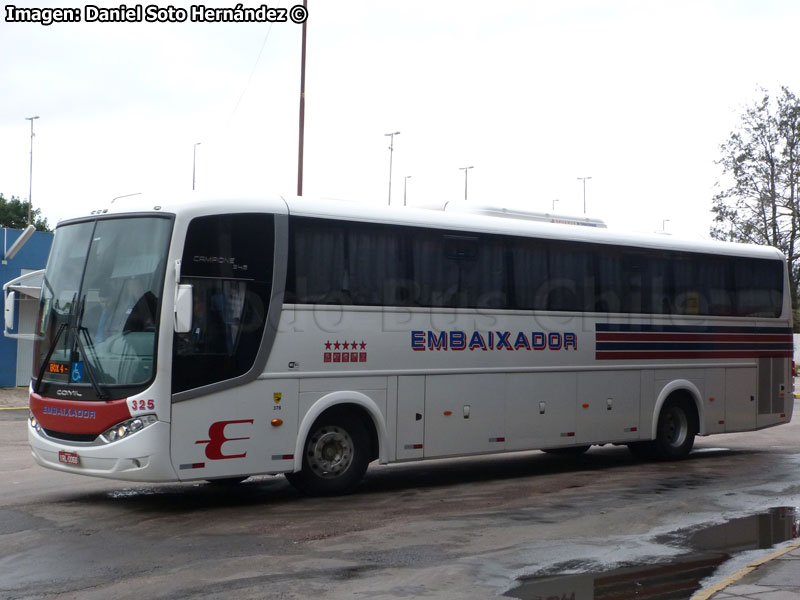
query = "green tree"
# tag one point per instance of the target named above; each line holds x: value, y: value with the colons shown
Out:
x: 14, y: 214
x: 761, y: 166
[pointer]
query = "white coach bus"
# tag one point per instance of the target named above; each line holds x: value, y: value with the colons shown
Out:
x: 217, y: 339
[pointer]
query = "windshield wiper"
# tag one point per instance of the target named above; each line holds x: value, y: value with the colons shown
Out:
x: 101, y: 394
x: 46, y: 360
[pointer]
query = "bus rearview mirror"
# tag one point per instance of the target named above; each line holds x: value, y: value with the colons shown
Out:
x: 183, y: 308
x: 10, y: 305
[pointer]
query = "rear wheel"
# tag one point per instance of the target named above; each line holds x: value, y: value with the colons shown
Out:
x: 677, y: 427
x: 335, y: 457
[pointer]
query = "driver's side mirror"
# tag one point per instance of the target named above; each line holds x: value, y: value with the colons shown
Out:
x: 183, y: 308
x: 10, y: 307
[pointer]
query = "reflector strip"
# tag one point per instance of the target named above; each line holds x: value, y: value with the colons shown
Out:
x: 283, y: 457
x: 631, y: 429
x: 193, y: 466
x: 499, y: 439
x: 568, y: 434
x: 412, y: 447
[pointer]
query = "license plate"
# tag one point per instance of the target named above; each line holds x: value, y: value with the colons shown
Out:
x: 68, y: 458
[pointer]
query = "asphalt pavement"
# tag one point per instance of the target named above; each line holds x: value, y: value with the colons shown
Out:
x: 774, y: 577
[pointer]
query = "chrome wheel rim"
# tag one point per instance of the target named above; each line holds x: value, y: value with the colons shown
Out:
x: 330, y: 452
x: 676, y: 427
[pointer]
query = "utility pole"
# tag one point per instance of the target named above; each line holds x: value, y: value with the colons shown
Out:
x: 405, y: 185
x: 302, y: 125
x: 302, y: 107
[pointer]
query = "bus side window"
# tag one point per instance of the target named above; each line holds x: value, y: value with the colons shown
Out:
x: 228, y: 260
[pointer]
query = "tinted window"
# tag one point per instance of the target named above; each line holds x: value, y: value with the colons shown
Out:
x: 228, y: 261
x: 339, y: 262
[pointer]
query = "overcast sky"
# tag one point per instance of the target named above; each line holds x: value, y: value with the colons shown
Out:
x: 636, y: 94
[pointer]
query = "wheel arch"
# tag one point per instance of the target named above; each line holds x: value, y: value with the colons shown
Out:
x: 356, y: 403
x: 679, y: 388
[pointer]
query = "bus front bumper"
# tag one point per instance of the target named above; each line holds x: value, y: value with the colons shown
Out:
x: 143, y: 456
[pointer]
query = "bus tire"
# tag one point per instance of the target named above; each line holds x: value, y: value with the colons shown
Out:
x: 677, y: 427
x: 335, y: 457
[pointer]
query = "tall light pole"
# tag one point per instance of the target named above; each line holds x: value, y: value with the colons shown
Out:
x: 194, y: 162
x: 554, y: 203
x: 664, y: 225
x: 391, y: 151
x: 30, y: 181
x: 584, y: 192
x: 405, y: 186
x: 466, y: 170
x: 302, y: 124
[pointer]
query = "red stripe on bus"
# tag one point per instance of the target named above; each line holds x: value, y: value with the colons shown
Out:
x: 692, y: 337
x: 651, y: 355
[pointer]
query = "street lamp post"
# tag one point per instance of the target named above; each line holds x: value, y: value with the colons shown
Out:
x: 391, y: 151
x: 554, y: 203
x: 466, y: 170
x: 30, y: 180
x: 405, y: 186
x: 664, y: 224
x: 302, y: 122
x: 194, y: 162
x: 584, y: 192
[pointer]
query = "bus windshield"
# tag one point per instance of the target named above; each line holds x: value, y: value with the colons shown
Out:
x: 99, y: 306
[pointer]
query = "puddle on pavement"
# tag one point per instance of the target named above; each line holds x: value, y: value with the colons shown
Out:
x: 673, y: 579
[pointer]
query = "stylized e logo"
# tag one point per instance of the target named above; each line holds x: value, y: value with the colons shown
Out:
x: 216, y: 435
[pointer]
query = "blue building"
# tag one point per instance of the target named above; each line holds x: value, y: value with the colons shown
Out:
x: 16, y: 354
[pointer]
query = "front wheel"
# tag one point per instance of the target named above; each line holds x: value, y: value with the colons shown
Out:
x: 335, y: 457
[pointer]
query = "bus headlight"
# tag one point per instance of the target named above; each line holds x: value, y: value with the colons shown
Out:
x: 126, y: 428
x: 34, y: 422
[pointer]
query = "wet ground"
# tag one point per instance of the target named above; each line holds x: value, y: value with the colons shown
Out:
x: 706, y: 548
x: 466, y: 528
